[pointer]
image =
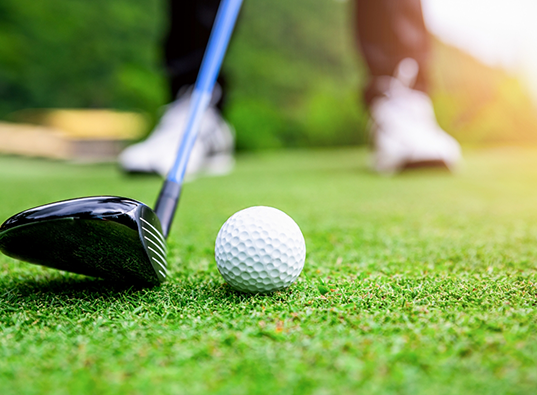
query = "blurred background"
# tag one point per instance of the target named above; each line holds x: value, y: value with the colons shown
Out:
x: 294, y: 73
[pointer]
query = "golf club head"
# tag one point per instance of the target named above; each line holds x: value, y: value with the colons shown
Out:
x: 103, y: 236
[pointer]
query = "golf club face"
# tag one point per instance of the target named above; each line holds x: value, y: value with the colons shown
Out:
x: 110, y: 237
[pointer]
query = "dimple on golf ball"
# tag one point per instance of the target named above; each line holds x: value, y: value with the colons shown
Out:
x: 260, y: 249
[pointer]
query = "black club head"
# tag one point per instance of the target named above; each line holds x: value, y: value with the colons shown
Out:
x: 110, y: 237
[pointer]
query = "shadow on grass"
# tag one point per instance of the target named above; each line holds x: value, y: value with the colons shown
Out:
x: 366, y: 171
x: 72, y: 290
x: 67, y: 287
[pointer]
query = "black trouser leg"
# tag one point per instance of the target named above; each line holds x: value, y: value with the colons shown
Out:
x: 191, y: 22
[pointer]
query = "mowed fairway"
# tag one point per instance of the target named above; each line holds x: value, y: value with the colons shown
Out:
x: 424, y: 283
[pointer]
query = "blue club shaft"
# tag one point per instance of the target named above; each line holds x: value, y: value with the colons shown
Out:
x: 201, y: 97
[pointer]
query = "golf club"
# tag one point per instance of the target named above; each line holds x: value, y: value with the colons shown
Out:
x: 114, y: 237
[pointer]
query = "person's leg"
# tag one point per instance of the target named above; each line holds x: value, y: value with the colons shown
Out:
x: 190, y: 27
x: 388, y: 32
x: 395, y: 45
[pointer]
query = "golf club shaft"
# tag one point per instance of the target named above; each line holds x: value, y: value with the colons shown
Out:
x: 201, y: 97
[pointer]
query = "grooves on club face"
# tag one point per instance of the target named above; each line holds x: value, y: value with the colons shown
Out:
x: 110, y: 237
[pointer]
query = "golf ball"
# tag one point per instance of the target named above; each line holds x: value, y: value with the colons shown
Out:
x: 260, y: 249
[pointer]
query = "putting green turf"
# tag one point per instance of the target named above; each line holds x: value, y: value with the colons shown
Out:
x: 418, y: 284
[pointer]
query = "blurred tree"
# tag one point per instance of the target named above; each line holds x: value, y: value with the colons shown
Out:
x: 81, y: 54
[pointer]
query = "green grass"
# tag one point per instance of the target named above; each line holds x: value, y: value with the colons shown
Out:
x: 423, y: 283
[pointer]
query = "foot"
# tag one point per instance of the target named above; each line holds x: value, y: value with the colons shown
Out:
x: 212, y: 153
x: 404, y: 128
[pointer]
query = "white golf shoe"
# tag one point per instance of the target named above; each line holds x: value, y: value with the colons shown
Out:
x: 212, y: 153
x: 404, y: 129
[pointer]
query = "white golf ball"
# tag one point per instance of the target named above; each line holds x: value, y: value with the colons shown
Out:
x: 260, y: 249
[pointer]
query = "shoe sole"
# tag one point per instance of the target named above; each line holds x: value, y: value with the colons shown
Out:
x: 437, y: 164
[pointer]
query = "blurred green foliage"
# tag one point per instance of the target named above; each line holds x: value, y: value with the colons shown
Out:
x: 478, y: 104
x: 294, y: 71
x: 295, y: 75
x: 80, y: 54
x: 292, y: 65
